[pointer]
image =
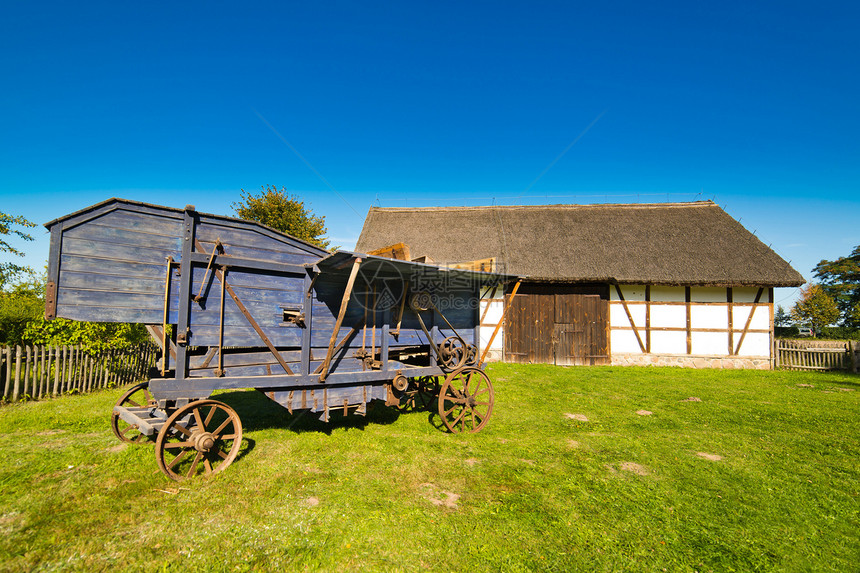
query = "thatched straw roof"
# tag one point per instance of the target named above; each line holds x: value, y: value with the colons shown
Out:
x: 668, y: 243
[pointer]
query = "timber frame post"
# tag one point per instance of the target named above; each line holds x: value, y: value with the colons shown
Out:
x: 183, y: 332
x: 344, y: 303
x: 499, y: 325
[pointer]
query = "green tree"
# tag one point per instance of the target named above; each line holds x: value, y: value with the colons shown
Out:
x: 815, y: 309
x: 93, y: 337
x: 21, y: 302
x: 781, y: 317
x: 284, y: 212
x: 9, y: 271
x: 841, y: 280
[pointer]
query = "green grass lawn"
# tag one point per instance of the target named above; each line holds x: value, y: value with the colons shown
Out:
x: 761, y: 474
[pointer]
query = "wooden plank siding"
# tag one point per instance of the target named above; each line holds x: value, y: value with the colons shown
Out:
x: 128, y: 262
x: 558, y: 324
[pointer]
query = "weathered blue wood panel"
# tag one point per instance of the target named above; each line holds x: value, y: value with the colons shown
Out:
x: 112, y: 265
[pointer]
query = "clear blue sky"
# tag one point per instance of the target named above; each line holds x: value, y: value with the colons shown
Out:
x: 752, y: 104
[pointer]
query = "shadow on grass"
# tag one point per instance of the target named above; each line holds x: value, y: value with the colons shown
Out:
x: 258, y: 412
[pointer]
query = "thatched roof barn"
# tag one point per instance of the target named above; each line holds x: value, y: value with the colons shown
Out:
x: 659, y: 244
x: 673, y: 283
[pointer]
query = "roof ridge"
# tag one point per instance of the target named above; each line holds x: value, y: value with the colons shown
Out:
x: 568, y: 206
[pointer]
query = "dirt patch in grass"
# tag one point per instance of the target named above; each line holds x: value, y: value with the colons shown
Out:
x: 311, y: 502
x: 635, y: 468
x: 805, y: 386
x: 577, y: 417
x: 692, y: 399
x: 711, y: 457
x: 50, y: 432
x: 439, y: 497
x: 644, y: 412
x: 471, y: 462
x: 630, y: 467
x: 572, y: 444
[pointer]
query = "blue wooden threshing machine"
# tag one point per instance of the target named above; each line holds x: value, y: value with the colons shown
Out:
x: 233, y: 304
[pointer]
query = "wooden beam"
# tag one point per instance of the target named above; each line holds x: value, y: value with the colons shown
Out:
x: 490, y: 290
x: 501, y: 322
x: 344, y: 303
x: 687, y: 299
x: 772, y: 333
x: 157, y: 335
x: 749, y: 320
x: 399, y: 251
x: 342, y: 342
x: 247, y: 314
x: 730, y: 303
x: 630, y: 317
x: 648, y: 319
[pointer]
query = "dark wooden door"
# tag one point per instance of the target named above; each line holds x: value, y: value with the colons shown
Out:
x: 566, y: 329
x: 581, y: 330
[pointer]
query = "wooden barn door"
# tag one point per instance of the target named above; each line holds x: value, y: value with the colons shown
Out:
x: 580, y: 336
x: 529, y: 329
x: 565, y: 329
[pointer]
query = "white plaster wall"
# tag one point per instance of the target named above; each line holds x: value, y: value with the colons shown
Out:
x: 711, y: 316
x: 669, y: 316
x: 618, y: 317
x: 760, y: 321
x: 755, y: 344
x: 494, y: 315
x: 668, y: 294
x: 668, y: 342
x: 747, y: 294
x: 486, y: 332
x: 630, y: 292
x: 710, y: 343
x: 708, y: 294
x: 623, y: 342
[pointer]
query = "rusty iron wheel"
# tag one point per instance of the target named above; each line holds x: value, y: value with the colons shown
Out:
x: 466, y: 400
x: 453, y: 353
x: 137, y: 396
x: 422, y: 392
x: 201, y: 438
x: 471, y: 355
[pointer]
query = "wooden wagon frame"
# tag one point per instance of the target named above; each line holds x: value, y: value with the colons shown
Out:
x: 233, y: 305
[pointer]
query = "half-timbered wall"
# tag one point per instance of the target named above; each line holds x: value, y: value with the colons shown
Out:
x: 492, y: 308
x: 691, y: 326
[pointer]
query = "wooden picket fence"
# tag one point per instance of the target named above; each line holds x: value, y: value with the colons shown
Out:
x: 818, y: 354
x: 33, y: 372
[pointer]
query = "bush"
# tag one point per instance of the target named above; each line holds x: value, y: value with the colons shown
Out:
x: 839, y: 333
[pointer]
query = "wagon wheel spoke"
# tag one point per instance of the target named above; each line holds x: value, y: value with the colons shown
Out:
x: 209, y: 416
x: 459, y: 409
x: 178, y: 458
x: 204, y: 451
x: 182, y: 429
x: 454, y: 407
x: 193, y: 469
x: 137, y: 396
x: 174, y: 445
x: 223, y: 425
x: 198, y: 418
